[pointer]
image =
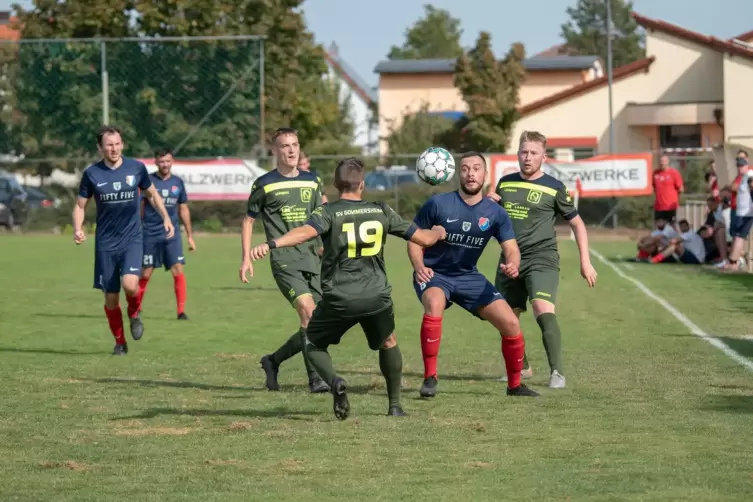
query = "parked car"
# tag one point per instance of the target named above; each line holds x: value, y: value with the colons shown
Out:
x: 388, y: 179
x: 13, y: 208
x: 37, y: 198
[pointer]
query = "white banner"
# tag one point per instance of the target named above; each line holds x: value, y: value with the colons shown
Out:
x: 221, y: 179
x: 602, y: 176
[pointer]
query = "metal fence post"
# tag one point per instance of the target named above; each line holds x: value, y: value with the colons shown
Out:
x: 105, y: 84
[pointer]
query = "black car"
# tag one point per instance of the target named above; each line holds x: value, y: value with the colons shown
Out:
x: 36, y: 198
x: 13, y: 208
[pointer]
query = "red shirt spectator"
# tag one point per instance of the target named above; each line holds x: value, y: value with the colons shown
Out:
x: 667, y: 186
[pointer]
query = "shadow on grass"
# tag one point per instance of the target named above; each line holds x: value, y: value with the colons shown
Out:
x: 739, y: 345
x: 244, y: 288
x: 63, y: 315
x: 413, y: 374
x: 738, y: 283
x: 52, y: 351
x: 176, y: 385
x: 730, y: 404
x: 273, y: 413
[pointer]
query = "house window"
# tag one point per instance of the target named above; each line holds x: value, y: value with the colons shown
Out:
x: 680, y: 136
x: 583, y: 153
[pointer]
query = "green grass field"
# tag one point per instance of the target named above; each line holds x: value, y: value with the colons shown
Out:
x: 651, y: 412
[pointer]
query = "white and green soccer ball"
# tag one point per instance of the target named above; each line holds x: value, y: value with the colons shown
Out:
x: 435, y: 166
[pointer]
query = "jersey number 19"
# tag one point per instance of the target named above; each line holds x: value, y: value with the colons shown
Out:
x: 367, y: 241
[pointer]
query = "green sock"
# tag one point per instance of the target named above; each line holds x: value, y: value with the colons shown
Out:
x: 391, y: 364
x: 290, y: 348
x: 310, y: 370
x: 321, y: 363
x: 550, y: 332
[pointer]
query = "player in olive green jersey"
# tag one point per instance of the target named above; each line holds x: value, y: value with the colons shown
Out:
x: 533, y: 199
x: 354, y: 279
x: 284, y: 199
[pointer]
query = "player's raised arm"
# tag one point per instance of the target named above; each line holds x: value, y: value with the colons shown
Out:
x: 319, y: 223
x: 409, y: 231
x: 566, y: 208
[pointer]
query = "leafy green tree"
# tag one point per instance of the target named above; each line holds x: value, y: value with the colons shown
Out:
x: 418, y: 131
x: 434, y: 36
x: 490, y: 89
x: 586, y: 31
x: 203, y: 96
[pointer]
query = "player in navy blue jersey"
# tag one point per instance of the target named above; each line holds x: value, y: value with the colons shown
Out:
x: 114, y: 182
x: 159, y: 251
x: 446, y: 273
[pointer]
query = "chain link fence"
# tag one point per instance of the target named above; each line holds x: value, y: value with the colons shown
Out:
x: 202, y: 96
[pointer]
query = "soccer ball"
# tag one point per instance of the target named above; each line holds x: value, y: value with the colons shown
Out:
x: 435, y: 166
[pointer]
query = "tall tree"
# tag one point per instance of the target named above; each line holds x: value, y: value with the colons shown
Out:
x: 490, y: 89
x: 586, y: 31
x: 434, y: 36
x: 202, y: 95
x: 418, y: 131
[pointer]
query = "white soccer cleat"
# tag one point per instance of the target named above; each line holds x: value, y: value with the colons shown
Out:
x: 526, y: 373
x: 556, y: 380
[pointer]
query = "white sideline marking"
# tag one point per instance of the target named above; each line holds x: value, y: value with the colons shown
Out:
x: 692, y: 327
x: 626, y: 265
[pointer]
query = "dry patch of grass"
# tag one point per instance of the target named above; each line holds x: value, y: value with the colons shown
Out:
x: 71, y: 465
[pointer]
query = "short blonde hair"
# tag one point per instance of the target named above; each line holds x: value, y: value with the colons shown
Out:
x: 533, y: 137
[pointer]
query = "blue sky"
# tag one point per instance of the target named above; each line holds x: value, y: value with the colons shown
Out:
x: 365, y: 30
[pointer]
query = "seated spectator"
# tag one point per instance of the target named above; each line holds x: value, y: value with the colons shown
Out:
x: 651, y: 245
x: 688, y: 247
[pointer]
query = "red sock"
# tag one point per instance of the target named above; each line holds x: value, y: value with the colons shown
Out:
x: 658, y: 258
x: 431, y: 335
x: 180, y: 292
x: 115, y: 320
x: 133, y: 305
x: 643, y: 254
x: 513, y: 352
x: 143, y: 282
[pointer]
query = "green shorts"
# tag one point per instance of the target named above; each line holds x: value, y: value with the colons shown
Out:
x: 535, y: 283
x: 327, y: 327
x: 296, y: 283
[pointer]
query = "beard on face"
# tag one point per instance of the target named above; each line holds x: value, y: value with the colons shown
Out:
x: 470, y: 191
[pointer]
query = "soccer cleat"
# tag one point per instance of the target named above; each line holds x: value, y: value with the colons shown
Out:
x: 526, y: 373
x: 556, y: 380
x: 340, y: 404
x: 429, y: 387
x: 317, y: 385
x: 182, y: 316
x: 120, y: 349
x: 522, y: 391
x: 271, y: 369
x: 137, y: 327
x: 396, y: 411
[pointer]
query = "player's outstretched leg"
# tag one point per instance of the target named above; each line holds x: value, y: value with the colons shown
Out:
x: 131, y: 289
x: 391, y: 364
x: 115, y: 321
x: 270, y: 363
x: 499, y: 314
x: 434, y: 302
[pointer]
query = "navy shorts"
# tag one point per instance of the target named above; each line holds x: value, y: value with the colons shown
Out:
x: 740, y: 226
x: 689, y: 258
x: 470, y: 291
x: 110, y: 266
x: 163, y: 252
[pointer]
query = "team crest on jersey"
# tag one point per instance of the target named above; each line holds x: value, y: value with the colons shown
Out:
x: 466, y: 226
x: 305, y: 195
x: 174, y: 189
x: 164, y: 193
x: 483, y: 223
x: 130, y: 180
x: 116, y: 185
x: 534, y: 197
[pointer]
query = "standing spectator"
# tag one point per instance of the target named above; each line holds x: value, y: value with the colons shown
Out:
x: 712, y: 182
x: 743, y: 214
x: 667, y: 189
